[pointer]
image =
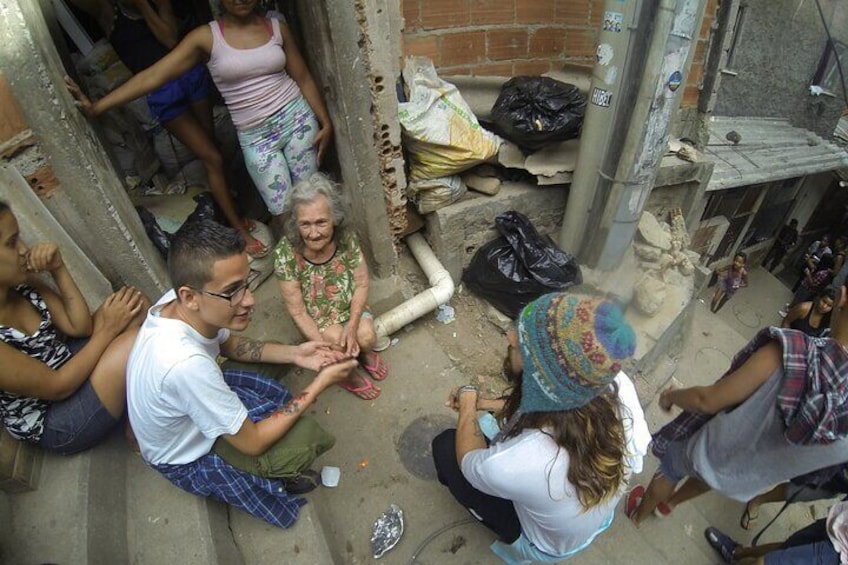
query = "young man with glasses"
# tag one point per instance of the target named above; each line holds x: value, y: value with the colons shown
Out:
x: 233, y: 435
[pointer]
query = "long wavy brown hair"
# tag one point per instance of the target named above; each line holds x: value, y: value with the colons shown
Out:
x: 593, y: 436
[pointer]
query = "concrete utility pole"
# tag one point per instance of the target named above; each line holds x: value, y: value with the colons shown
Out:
x: 605, y: 95
x: 676, y: 24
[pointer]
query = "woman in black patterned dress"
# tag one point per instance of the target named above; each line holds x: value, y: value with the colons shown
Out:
x: 61, y: 369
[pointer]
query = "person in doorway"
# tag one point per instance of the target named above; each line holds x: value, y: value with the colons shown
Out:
x: 142, y: 32
x: 62, y: 396
x: 547, y: 484
x: 787, y: 237
x: 730, y: 279
x: 780, y: 411
x: 814, y: 281
x: 324, y: 280
x: 283, y: 125
x: 809, y: 260
x: 229, y: 434
x: 813, y: 317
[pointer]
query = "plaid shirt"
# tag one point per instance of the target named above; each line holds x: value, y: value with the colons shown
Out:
x: 813, y: 397
x: 212, y: 476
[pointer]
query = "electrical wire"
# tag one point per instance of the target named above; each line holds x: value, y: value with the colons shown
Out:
x: 436, y: 534
x: 832, y: 46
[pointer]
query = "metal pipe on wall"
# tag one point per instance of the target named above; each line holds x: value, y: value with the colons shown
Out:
x: 604, y: 98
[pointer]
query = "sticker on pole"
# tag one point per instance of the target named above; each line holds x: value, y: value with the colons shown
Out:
x: 675, y: 80
x: 604, y: 54
x: 613, y: 21
x: 601, y: 97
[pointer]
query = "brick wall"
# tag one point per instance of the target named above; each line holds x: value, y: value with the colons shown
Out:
x: 514, y: 37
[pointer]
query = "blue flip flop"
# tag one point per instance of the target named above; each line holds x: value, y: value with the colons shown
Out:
x: 722, y: 543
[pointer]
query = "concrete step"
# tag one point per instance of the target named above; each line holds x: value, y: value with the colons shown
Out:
x: 77, y: 514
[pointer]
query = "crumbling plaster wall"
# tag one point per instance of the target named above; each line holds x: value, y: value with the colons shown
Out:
x: 86, y: 197
x: 353, y: 51
x: 777, y: 54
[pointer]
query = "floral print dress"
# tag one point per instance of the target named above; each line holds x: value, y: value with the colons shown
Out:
x: 327, y: 288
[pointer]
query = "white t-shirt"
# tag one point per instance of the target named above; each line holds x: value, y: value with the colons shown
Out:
x: 532, y: 472
x: 177, y: 400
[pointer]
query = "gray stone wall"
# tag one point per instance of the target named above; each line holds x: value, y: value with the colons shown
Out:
x: 777, y: 54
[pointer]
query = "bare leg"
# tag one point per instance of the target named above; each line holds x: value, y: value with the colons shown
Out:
x: 193, y: 132
x: 373, y: 363
x: 717, y: 300
x: 752, y: 509
x: 332, y: 335
x: 659, y: 490
x: 690, y: 488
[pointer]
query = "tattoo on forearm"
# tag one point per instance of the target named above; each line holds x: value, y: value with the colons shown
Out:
x: 249, y: 349
x: 293, y: 405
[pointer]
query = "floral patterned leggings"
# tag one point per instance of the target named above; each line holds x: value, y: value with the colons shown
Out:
x: 279, y: 152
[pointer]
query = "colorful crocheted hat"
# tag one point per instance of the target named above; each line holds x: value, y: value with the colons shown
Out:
x: 572, y: 346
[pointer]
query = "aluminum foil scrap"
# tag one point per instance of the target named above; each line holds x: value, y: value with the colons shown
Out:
x: 387, y: 531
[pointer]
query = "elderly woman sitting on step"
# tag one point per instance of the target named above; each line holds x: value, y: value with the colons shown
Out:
x: 324, y: 280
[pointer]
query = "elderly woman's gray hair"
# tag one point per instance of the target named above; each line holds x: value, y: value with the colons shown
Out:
x: 306, y: 192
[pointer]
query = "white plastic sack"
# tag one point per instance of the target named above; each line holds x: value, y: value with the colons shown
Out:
x: 440, y: 131
x: 431, y: 194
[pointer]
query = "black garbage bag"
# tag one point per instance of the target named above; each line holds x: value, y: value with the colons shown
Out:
x: 160, y: 238
x: 206, y: 209
x: 520, y: 266
x: 534, y: 111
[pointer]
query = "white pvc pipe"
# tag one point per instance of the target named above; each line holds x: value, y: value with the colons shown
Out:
x: 424, y: 302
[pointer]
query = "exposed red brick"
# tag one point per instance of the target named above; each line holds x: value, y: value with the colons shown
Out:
x: 706, y: 25
x: 43, y: 182
x: 463, y: 48
x: 531, y: 67
x: 411, y: 14
x: 597, y: 15
x: 439, y: 14
x: 690, y: 97
x: 534, y: 11
x: 490, y: 70
x: 701, y: 52
x: 580, y: 44
x: 696, y: 72
x: 14, y: 130
x: 547, y: 42
x: 423, y: 46
x: 492, y: 12
x: 571, y: 12
x: 506, y: 44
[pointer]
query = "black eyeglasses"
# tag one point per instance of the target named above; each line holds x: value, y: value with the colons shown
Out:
x: 237, y: 295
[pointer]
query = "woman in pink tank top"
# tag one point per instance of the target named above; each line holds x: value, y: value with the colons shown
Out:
x: 283, y: 124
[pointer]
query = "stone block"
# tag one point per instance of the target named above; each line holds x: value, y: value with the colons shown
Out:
x: 20, y: 464
x: 457, y: 231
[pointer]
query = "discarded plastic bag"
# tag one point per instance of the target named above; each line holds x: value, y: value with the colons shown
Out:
x: 518, y: 267
x: 206, y: 209
x: 534, y: 111
x: 160, y: 238
x: 440, y: 132
x: 431, y: 194
x: 387, y: 531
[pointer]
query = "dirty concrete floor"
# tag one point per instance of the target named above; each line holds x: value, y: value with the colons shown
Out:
x: 383, y: 452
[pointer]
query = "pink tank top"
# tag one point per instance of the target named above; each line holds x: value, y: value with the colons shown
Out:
x: 253, y: 82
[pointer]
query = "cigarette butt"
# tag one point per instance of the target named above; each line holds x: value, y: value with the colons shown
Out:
x: 363, y: 463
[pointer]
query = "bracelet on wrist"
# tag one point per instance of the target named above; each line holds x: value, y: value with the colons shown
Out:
x: 467, y: 388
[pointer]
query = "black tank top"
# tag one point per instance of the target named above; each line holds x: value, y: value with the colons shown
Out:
x: 134, y: 43
x: 803, y: 324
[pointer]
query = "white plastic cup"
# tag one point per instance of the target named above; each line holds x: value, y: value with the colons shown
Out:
x: 330, y: 476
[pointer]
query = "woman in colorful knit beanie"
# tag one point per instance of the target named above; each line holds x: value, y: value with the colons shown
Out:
x: 573, y: 431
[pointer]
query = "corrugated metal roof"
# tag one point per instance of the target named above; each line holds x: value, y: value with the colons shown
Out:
x: 768, y: 150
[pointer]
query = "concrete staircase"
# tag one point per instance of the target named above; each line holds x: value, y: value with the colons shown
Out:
x: 105, y: 506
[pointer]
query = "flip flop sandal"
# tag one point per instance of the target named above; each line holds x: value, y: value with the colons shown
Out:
x: 248, y: 225
x: 722, y: 543
x: 361, y: 390
x: 257, y: 249
x: 634, y: 499
x: 662, y: 510
x: 747, y: 521
x: 373, y: 370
